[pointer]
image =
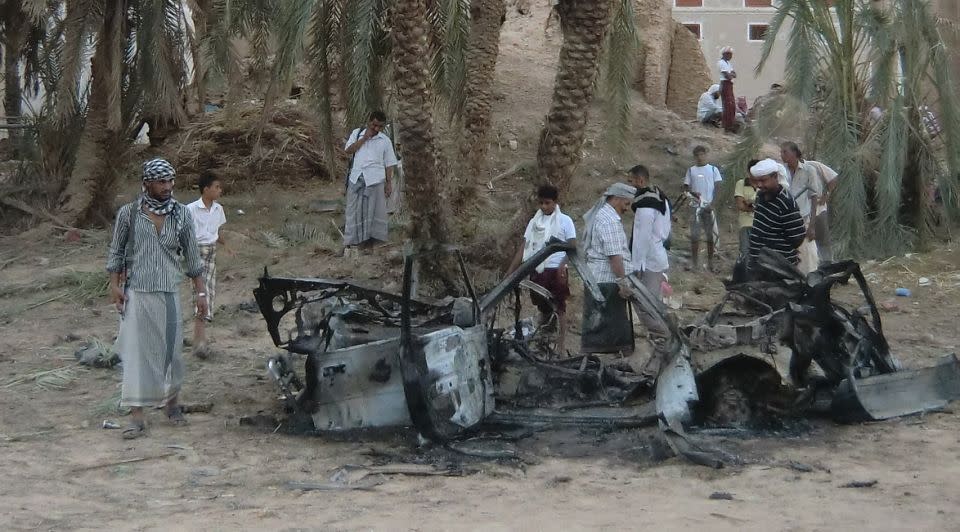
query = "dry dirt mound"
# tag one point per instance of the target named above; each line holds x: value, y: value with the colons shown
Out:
x: 287, y: 150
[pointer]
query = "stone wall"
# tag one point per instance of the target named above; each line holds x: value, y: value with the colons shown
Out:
x: 672, y: 71
x: 690, y: 74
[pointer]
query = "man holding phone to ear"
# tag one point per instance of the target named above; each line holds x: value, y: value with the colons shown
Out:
x: 369, y: 184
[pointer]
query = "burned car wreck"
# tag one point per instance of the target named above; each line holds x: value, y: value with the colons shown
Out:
x: 374, y: 359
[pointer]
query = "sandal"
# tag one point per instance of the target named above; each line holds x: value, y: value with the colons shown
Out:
x: 134, y: 430
x: 175, y: 415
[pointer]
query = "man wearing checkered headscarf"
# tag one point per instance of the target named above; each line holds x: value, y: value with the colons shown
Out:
x: 150, y: 237
x: 160, y: 170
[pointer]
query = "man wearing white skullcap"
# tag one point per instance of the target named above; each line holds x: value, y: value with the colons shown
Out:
x: 150, y: 237
x: 777, y: 224
x: 728, y: 100
x: 606, y: 326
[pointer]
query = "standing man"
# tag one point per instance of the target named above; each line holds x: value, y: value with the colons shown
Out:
x: 551, y: 274
x: 745, y: 195
x: 821, y: 221
x: 806, y: 189
x: 700, y: 182
x: 709, y: 110
x: 369, y: 185
x: 777, y: 224
x: 727, y: 98
x: 149, y: 238
x: 651, y: 228
x: 607, y: 326
x: 208, y: 217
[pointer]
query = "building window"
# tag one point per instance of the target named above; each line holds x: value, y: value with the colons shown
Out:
x: 688, y: 3
x: 757, y: 3
x: 757, y: 32
x: 694, y: 28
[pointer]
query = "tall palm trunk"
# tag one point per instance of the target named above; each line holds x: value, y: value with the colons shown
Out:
x: 198, y: 87
x: 486, y: 18
x: 584, y: 24
x: 421, y: 160
x: 88, y: 196
x: 15, y: 33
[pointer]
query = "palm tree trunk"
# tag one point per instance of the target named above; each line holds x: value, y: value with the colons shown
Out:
x: 88, y: 196
x: 15, y: 32
x: 584, y: 24
x: 486, y: 18
x: 201, y: 18
x: 421, y: 160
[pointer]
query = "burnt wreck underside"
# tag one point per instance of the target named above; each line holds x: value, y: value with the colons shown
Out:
x: 772, y: 349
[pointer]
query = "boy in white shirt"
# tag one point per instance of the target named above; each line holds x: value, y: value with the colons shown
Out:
x: 700, y: 182
x: 551, y: 274
x: 208, y: 217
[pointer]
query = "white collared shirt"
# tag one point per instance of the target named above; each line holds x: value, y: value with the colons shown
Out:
x: 207, y: 222
x: 372, y: 159
x: 804, y: 183
x: 724, y: 66
x: 650, y: 230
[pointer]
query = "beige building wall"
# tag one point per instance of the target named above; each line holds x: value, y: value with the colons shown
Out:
x: 727, y: 23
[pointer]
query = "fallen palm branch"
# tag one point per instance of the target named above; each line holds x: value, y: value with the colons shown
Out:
x: 50, y: 379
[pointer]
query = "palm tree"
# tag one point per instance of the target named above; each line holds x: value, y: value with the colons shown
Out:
x: 21, y: 33
x: 486, y: 18
x: 415, y: 103
x: 585, y: 25
x: 137, y: 75
x: 843, y: 61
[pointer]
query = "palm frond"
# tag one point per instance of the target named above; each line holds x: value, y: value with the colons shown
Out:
x: 889, y: 187
x: 273, y: 240
x: 50, y: 379
x: 363, y: 31
x: 160, y: 59
x: 619, y: 71
x: 291, y: 31
x: 320, y: 85
x: 80, y: 25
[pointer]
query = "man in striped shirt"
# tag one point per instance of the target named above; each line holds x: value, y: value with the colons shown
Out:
x: 777, y: 224
x: 149, y: 238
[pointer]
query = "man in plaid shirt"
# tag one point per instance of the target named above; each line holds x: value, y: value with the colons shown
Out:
x: 606, y: 326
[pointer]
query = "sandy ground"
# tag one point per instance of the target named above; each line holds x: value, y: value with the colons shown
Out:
x: 216, y: 474
x: 62, y: 471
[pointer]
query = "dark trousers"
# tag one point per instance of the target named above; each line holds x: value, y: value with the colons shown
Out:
x: 729, y: 105
x: 607, y: 327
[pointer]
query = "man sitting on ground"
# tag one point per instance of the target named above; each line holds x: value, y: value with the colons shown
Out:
x: 709, y: 109
x: 551, y: 274
x: 777, y: 224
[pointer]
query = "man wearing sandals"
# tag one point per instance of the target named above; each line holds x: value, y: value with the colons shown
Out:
x: 150, y: 236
